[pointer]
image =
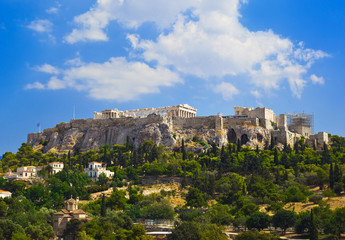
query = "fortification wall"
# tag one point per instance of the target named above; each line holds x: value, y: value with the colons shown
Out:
x: 208, y: 122
x: 229, y: 122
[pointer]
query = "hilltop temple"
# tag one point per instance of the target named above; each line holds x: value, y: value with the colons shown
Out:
x: 169, y: 125
x: 181, y: 110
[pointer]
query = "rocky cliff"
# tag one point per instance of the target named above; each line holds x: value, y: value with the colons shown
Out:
x: 91, y: 134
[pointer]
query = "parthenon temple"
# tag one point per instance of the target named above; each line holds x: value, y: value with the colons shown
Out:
x: 181, y: 110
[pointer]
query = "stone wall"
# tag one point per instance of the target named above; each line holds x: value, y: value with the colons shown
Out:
x: 169, y: 131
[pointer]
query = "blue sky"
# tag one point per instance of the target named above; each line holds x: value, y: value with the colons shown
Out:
x: 287, y: 55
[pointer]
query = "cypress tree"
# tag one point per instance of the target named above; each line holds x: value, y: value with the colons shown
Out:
x: 230, y: 148
x: 238, y: 145
x: 272, y: 143
x: 183, y: 150
x: 337, y: 173
x: 276, y: 160
x: 103, y: 207
x: 325, y: 154
x: 313, y: 230
x: 224, y: 163
x: 69, y: 158
x: 331, y: 177
x: 135, y: 158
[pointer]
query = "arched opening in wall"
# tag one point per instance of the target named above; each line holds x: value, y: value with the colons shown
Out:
x: 232, y: 137
x: 244, y: 139
x: 259, y: 137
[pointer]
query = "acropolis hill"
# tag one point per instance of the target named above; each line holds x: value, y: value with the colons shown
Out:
x: 169, y: 125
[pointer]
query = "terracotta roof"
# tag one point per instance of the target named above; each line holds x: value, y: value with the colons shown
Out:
x: 57, y: 162
x: 95, y: 162
x: 78, y: 211
x: 71, y: 200
x: 2, y: 191
x: 64, y: 211
x: 59, y: 213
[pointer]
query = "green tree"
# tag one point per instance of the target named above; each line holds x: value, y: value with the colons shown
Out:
x: 3, y: 209
x: 183, y: 150
x: 336, y: 224
x: 220, y: 214
x: 117, y: 200
x: 258, y: 220
x: 8, y: 228
x: 195, y: 198
x: 313, y: 229
x: 102, y: 179
x: 284, y: 219
x: 72, y: 229
x: 331, y: 177
x: 159, y: 210
x: 103, y: 207
x: 19, y: 236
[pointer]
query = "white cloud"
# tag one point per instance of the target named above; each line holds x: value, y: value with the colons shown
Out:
x: 217, y: 44
x: 131, y: 13
x: 203, y: 38
x: 41, y: 25
x: 52, y: 10
x: 227, y: 90
x: 47, y: 68
x: 35, y: 85
x: 256, y: 93
x: 317, y: 80
x: 116, y: 79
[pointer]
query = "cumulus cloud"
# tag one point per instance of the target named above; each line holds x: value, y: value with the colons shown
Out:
x: 41, y: 25
x: 47, y: 68
x: 217, y: 44
x: 131, y: 13
x: 227, y: 90
x: 116, y: 79
x: 203, y: 38
x: 52, y: 10
x: 35, y: 85
x: 317, y: 80
x: 256, y: 93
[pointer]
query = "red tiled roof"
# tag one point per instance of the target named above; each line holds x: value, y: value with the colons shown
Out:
x: 2, y: 191
x: 78, y: 211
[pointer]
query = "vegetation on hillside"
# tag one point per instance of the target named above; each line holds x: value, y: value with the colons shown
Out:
x: 222, y: 186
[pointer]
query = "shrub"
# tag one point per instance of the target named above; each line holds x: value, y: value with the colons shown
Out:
x: 328, y: 193
x: 315, y: 199
x: 338, y: 188
x: 195, y: 139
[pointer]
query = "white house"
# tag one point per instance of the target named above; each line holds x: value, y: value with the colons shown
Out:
x: 4, y: 194
x: 26, y: 172
x: 22, y: 173
x: 56, y: 167
x: 95, y: 169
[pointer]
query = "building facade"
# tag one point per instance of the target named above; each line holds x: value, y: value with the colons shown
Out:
x: 56, y: 167
x: 71, y: 211
x: 97, y: 168
x: 181, y: 110
x: 4, y: 194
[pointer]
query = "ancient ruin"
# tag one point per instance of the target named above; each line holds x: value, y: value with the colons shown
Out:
x: 169, y: 125
x: 181, y: 110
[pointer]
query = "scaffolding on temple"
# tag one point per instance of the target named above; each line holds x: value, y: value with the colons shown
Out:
x: 301, y: 120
